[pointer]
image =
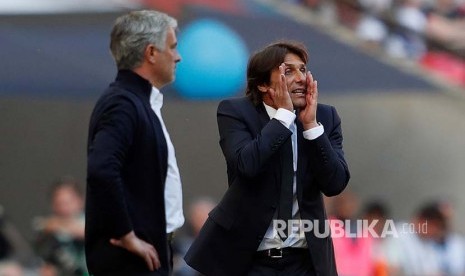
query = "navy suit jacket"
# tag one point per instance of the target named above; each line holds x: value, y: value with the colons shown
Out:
x: 127, y: 166
x: 251, y: 143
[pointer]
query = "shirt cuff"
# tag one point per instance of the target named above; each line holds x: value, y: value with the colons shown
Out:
x: 313, y: 133
x: 285, y: 116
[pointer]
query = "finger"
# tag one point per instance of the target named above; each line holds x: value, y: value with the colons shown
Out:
x: 156, y: 262
x: 308, y: 99
x: 283, y: 84
x: 309, y: 80
x: 148, y: 261
x: 309, y: 77
x: 282, y: 78
x: 116, y: 242
x: 156, y: 259
x: 314, y: 96
x: 315, y: 90
x: 282, y: 68
x: 272, y: 93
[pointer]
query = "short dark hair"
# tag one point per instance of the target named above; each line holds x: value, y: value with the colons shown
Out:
x: 377, y: 208
x: 431, y: 212
x: 264, y: 61
x: 67, y: 181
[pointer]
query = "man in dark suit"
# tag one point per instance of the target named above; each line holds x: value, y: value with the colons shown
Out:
x: 278, y: 168
x: 134, y: 199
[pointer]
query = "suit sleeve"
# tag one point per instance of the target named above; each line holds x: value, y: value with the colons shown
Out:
x: 327, y: 158
x: 246, y: 154
x: 113, y: 136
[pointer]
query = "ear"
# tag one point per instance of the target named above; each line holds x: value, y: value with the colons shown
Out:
x: 151, y: 53
x: 263, y: 88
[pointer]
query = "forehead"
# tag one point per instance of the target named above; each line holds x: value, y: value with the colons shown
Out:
x: 293, y: 59
x: 170, y: 36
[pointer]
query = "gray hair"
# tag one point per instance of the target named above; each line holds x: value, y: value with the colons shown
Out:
x: 132, y: 33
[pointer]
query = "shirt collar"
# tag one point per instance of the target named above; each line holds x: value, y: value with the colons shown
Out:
x: 270, y: 110
x: 156, y: 98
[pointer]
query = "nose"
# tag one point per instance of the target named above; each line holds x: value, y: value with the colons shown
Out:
x: 299, y: 76
x: 178, y: 57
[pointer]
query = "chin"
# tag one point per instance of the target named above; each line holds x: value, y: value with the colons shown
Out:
x: 299, y: 104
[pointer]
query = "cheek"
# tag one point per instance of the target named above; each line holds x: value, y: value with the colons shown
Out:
x: 289, y: 80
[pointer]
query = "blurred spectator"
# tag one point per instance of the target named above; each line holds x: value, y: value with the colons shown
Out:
x: 13, y: 246
x: 197, y: 214
x: 413, y: 252
x: 445, y: 8
x: 449, y: 246
x: 371, y: 29
x: 446, y: 30
x: 408, y: 41
x: 348, y: 12
x: 11, y: 268
x: 428, y: 31
x: 376, y: 212
x: 353, y: 252
x: 60, y: 237
x: 446, y: 25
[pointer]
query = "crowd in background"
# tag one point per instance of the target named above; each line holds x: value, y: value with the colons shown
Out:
x: 430, y: 32
x: 425, y: 245
x: 58, y: 244
x: 428, y: 246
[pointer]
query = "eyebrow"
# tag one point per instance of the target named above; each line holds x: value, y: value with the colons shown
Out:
x: 292, y: 65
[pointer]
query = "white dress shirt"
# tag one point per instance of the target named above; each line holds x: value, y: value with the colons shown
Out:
x: 173, y: 189
x: 296, y: 239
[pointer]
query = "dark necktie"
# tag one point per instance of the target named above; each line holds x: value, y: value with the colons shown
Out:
x: 287, y: 180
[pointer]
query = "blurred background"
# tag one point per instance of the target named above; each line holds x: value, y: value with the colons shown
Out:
x: 394, y: 69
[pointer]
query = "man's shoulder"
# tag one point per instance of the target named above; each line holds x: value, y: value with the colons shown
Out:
x: 116, y: 100
x: 242, y: 103
x: 118, y: 94
x: 237, y: 101
x: 325, y: 107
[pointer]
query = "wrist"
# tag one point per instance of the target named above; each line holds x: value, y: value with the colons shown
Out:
x: 310, y: 125
x: 287, y: 107
x: 128, y: 236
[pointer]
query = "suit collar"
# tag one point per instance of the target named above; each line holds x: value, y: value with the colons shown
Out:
x: 135, y: 83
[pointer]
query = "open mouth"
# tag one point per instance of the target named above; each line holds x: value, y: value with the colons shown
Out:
x: 299, y: 92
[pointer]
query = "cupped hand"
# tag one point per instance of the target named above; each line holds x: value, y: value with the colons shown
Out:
x: 280, y: 95
x: 307, y: 115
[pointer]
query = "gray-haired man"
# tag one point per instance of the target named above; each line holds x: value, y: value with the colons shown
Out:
x: 134, y: 199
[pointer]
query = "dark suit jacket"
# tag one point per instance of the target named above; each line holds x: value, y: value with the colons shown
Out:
x: 127, y: 165
x: 251, y: 143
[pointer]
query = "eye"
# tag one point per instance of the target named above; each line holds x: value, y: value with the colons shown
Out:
x: 303, y: 69
x: 287, y: 72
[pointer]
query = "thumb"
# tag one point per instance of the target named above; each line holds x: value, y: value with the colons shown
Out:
x: 116, y: 242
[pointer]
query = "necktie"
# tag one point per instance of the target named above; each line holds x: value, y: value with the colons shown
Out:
x: 287, y: 179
